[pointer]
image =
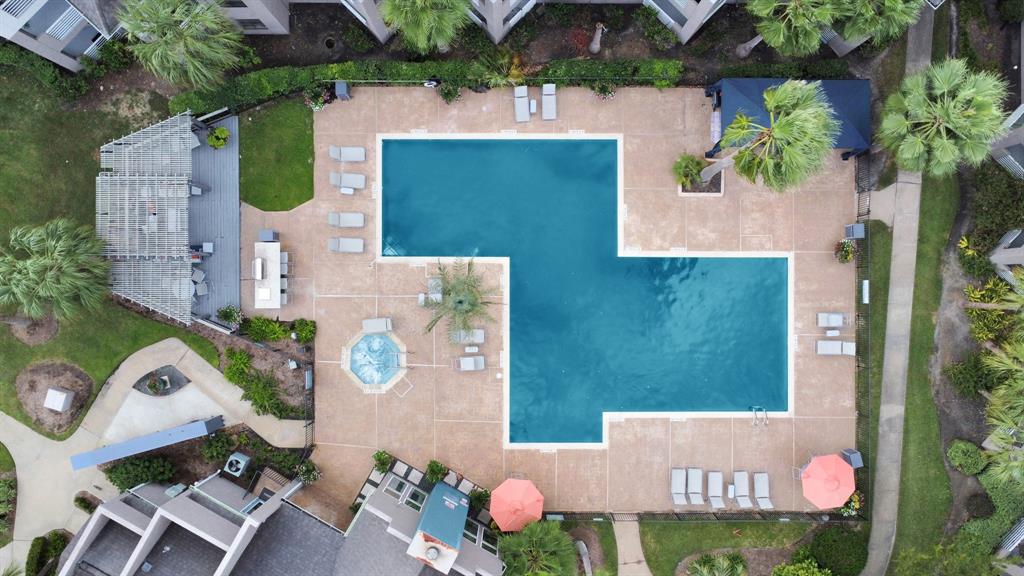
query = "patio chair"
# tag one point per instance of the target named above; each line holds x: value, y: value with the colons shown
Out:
x: 433, y: 293
x: 474, y: 336
x: 284, y: 284
x: 202, y: 289
x: 829, y: 348
x: 377, y: 325
x: 284, y: 298
x: 470, y: 364
x: 521, y: 104
x: 715, y: 482
x: 198, y: 275
x: 284, y: 257
x: 849, y: 348
x: 678, y: 487
x: 762, y: 492
x: 345, y: 245
x: 348, y: 180
x: 284, y: 268
x: 348, y: 153
x: 831, y: 319
x: 346, y: 219
x: 741, y: 481
x: 548, y: 102
x: 695, y: 485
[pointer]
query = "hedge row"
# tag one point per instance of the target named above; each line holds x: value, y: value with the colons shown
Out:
x: 64, y: 85
x: 256, y: 87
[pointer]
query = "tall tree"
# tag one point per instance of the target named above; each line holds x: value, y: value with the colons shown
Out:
x: 426, y: 25
x: 54, y: 268
x: 800, y: 132
x: 792, y: 27
x: 542, y: 548
x: 882, y: 20
x: 187, y: 42
x: 942, y: 117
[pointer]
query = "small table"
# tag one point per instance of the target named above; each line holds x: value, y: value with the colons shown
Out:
x: 472, y: 349
x: 831, y: 333
x: 268, y: 235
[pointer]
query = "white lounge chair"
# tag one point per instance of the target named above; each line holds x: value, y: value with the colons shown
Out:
x: 377, y: 325
x: 762, y: 491
x: 521, y: 103
x: 345, y: 245
x: 831, y: 319
x: 741, y: 481
x: 474, y: 336
x: 715, y: 483
x: 434, y: 292
x: 346, y: 219
x: 348, y: 153
x: 548, y: 102
x: 695, y: 485
x: 348, y: 180
x: 836, y: 348
x: 470, y: 364
x: 678, y: 487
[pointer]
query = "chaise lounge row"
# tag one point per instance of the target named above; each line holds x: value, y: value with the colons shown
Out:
x: 688, y: 488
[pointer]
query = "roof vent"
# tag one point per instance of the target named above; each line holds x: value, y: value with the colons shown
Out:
x: 432, y: 553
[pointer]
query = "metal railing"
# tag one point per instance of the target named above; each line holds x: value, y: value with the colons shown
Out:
x: 730, y: 516
x: 865, y: 423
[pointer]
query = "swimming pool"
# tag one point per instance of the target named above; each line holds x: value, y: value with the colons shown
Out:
x: 591, y: 332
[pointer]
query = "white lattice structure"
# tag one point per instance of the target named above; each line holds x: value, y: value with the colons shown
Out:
x: 142, y: 214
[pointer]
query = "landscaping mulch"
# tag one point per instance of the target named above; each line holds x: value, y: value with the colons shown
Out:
x: 37, y: 331
x: 589, y: 537
x: 175, y: 381
x: 33, y: 382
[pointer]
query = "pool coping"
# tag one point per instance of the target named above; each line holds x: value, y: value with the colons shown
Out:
x: 622, y: 252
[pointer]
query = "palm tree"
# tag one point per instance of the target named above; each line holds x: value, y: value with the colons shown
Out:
x: 800, y: 132
x: 183, y: 41
x: 882, y: 20
x: 542, y: 548
x: 733, y: 564
x: 942, y: 117
x: 792, y: 27
x: 12, y: 570
x: 54, y: 268
x: 426, y: 25
x: 464, y: 299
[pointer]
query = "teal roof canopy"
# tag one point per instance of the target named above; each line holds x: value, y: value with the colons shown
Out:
x: 444, y: 516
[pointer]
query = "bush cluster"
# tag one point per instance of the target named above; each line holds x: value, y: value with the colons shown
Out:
x: 997, y: 204
x: 659, y: 35
x: 807, y: 69
x: 305, y: 330
x: 966, y: 457
x: 1008, y: 499
x: 131, y: 472
x: 972, y: 375
x: 113, y: 56
x: 436, y: 471
x: 842, y: 550
x: 382, y: 461
x: 357, y: 39
x: 8, y: 499
x: 258, y: 387
x: 1011, y: 11
x: 239, y: 365
x: 84, y: 504
x: 217, y: 448
x: 263, y: 329
x: 247, y: 90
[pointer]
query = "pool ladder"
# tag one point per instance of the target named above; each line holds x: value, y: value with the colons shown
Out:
x: 760, y: 415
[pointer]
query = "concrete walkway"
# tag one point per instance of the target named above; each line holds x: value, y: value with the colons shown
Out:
x: 631, y: 553
x: 905, y: 219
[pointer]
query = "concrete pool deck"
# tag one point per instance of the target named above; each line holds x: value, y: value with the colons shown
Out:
x: 436, y: 412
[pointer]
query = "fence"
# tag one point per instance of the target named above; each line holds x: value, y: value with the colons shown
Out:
x: 865, y: 423
x: 730, y: 516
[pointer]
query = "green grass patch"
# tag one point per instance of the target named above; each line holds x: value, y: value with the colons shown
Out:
x: 924, y: 486
x: 606, y: 533
x: 881, y: 260
x: 887, y: 80
x: 6, y: 460
x: 665, y: 544
x: 276, y: 155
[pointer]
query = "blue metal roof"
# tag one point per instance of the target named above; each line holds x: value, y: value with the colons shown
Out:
x: 444, y: 516
x: 148, y: 442
x: 851, y: 100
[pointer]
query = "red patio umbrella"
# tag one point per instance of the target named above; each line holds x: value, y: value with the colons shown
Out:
x: 827, y: 481
x: 515, y: 504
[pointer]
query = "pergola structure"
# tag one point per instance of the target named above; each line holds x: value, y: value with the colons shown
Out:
x: 142, y: 211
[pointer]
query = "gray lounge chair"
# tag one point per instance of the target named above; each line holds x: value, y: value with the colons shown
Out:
x: 831, y: 319
x: 434, y: 293
x: 377, y: 325
x: 202, y: 289
x: 715, y: 490
x: 348, y: 180
x: 348, y: 153
x: 678, y: 487
x: 345, y: 245
x: 521, y: 103
x: 695, y: 485
x: 474, y: 336
x: 762, y: 491
x: 548, y: 102
x: 836, y: 348
x: 741, y: 481
x: 346, y: 219
x: 470, y: 364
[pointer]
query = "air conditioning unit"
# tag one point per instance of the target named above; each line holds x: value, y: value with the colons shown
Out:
x: 236, y: 464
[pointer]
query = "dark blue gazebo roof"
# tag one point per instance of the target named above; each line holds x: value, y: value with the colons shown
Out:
x: 851, y: 100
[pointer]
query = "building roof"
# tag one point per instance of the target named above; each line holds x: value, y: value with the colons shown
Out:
x: 102, y: 14
x: 291, y: 542
x: 851, y: 100
x: 444, y: 515
x: 370, y: 550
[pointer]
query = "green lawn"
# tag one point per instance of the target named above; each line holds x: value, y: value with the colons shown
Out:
x: 887, y: 80
x: 606, y: 532
x: 924, y: 486
x: 940, y: 34
x: 666, y: 543
x: 881, y: 257
x: 50, y: 170
x: 276, y: 149
x: 6, y: 460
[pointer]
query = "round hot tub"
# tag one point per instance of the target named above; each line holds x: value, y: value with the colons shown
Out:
x: 374, y: 361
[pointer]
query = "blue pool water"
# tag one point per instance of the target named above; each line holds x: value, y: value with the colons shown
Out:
x: 374, y: 359
x: 591, y: 332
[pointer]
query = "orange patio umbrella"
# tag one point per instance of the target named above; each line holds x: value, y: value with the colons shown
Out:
x: 827, y: 481
x: 515, y: 504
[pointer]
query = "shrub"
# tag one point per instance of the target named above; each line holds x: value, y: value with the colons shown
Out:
x: 64, y: 85
x: 8, y: 490
x: 131, y: 472
x: 840, y: 549
x: 523, y: 33
x: 656, y: 33
x: 83, y: 503
x: 988, y: 325
x: 966, y: 457
x: 474, y: 40
x: 810, y: 70
x: 615, y: 17
x: 239, y: 364
x: 972, y: 375
x: 382, y: 461
x: 218, y: 137
x: 305, y: 330
x: 263, y: 329
x: 979, y: 505
x: 1011, y: 10
x: 307, y: 472
x: 230, y: 314
x: 805, y: 568
x: 997, y: 206
x: 56, y: 542
x: 436, y: 471
x: 116, y: 55
x: 973, y: 262
x: 36, y: 558
x: 560, y: 14
x: 687, y: 170
x: 217, y: 448
x: 479, y: 498
x: 1008, y: 499
x: 845, y: 250
x: 262, y: 390
x: 356, y: 39
x: 450, y: 93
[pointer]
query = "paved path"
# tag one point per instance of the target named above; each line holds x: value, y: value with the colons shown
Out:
x: 631, y: 554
